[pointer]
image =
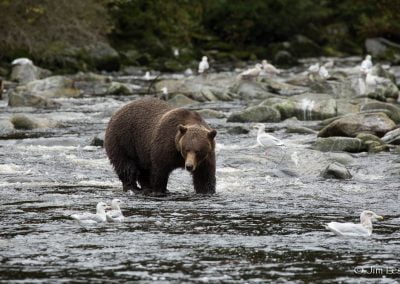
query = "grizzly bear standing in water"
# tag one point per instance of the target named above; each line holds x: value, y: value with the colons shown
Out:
x: 147, y: 139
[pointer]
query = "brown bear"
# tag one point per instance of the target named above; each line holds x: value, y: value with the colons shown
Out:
x: 147, y: 139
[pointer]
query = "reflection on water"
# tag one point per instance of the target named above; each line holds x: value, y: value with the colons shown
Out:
x: 263, y: 224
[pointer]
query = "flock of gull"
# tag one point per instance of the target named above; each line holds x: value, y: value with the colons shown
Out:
x: 114, y: 214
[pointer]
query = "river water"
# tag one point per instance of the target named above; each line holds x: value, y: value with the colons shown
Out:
x: 265, y: 224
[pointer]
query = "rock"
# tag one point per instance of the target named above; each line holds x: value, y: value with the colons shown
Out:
x: 392, y: 137
x: 26, y: 122
x: 307, y: 106
x: 377, y: 123
x: 382, y: 48
x: 116, y: 88
x: 282, y: 88
x: 101, y: 56
x: 181, y: 100
x: 6, y: 126
x: 247, y: 90
x: 300, y: 130
x: 346, y: 144
x: 24, y: 72
x: 391, y: 110
x: 342, y: 158
x: 256, y: 114
x: 372, y: 143
x: 19, y: 98
x: 210, y: 113
x: 237, y: 130
x: 336, y: 171
x: 302, y: 46
x: 98, y: 140
x: 284, y: 58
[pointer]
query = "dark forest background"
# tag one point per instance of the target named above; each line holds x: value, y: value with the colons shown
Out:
x: 72, y: 35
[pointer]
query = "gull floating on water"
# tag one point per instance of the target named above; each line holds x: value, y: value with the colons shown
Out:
x: 366, y: 64
x: 203, y: 65
x: 115, y: 214
x: 251, y: 73
x: 355, y: 230
x: 90, y: 218
x: 269, y: 68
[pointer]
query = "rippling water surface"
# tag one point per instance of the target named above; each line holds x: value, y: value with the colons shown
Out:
x: 265, y: 224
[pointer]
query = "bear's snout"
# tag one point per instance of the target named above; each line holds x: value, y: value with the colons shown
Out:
x: 190, y: 162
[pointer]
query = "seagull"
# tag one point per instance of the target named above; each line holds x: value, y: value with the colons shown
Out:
x: 250, y: 73
x: 366, y: 65
x: 313, y: 70
x: 269, y: 68
x: 373, y: 81
x: 364, y: 229
x: 323, y: 73
x: 329, y: 64
x: 267, y: 140
x: 90, y: 218
x: 203, y: 65
x: 115, y: 214
x: 22, y: 61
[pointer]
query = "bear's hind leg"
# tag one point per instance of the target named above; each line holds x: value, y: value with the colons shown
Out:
x: 128, y: 174
x: 144, y: 180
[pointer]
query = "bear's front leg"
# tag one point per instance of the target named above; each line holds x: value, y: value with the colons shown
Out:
x: 204, y: 180
x: 159, y: 181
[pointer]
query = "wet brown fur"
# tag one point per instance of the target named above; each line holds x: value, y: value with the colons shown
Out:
x: 147, y: 139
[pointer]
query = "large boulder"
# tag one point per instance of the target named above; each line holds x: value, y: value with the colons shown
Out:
x: 376, y: 123
x: 28, y: 122
x: 382, y: 48
x: 333, y: 144
x: 307, y: 106
x: 24, y: 71
x: 256, y: 114
x: 336, y: 171
x: 392, y: 137
x: 391, y: 110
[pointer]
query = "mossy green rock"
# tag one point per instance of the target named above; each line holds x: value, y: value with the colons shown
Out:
x: 256, y: 114
x: 372, y: 142
x: 332, y: 144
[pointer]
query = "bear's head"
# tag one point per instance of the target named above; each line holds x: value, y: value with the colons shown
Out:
x: 195, y: 143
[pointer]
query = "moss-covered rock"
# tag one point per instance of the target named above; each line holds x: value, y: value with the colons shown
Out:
x: 377, y: 123
x: 346, y: 144
x: 256, y: 114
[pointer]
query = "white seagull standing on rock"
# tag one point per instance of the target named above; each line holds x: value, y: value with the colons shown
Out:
x: 90, y: 218
x: 269, y: 68
x: 373, y: 81
x: 115, y: 214
x: 313, y: 71
x: 366, y: 65
x: 329, y: 64
x: 267, y: 140
x: 323, y: 73
x: 251, y: 73
x: 203, y: 65
x: 364, y: 229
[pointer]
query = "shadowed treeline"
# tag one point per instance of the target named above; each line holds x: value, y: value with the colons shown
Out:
x: 168, y: 35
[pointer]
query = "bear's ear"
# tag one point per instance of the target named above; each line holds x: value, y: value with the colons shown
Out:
x: 182, y: 129
x: 212, y: 134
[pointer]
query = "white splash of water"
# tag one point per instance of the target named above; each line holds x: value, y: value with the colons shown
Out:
x: 307, y: 106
